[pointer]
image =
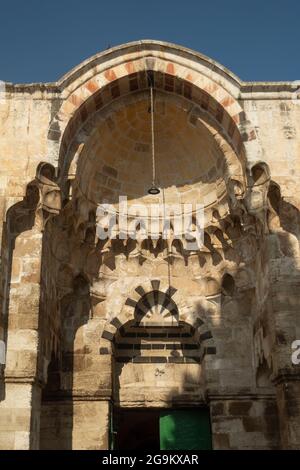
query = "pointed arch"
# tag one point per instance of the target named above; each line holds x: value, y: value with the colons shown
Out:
x: 176, y: 70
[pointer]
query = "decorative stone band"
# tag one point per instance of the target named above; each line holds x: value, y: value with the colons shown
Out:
x: 177, y: 72
x: 137, y: 307
x: 201, y: 98
x: 159, y: 359
x: 123, y: 70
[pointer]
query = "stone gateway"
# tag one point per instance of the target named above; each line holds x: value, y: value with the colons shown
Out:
x: 142, y: 343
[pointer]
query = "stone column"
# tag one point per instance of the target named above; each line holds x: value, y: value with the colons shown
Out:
x: 288, y: 403
x: 286, y: 375
x: 20, y: 410
x: 87, y: 372
x: 91, y: 423
x: 92, y: 389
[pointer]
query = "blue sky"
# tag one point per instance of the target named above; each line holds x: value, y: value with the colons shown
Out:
x: 257, y: 40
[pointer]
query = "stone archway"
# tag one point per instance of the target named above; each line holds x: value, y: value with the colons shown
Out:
x: 130, y: 61
x: 71, y: 302
x: 104, y: 153
x: 101, y: 138
x: 164, y: 302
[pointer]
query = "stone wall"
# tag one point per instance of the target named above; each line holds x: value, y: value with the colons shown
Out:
x: 67, y: 425
x: 245, y: 423
x: 68, y: 301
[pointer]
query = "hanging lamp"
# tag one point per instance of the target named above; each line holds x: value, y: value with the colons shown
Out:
x: 154, y: 189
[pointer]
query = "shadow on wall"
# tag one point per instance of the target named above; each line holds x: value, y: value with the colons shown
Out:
x: 172, y: 426
x: 74, y: 310
x: 283, y: 221
x: 57, y: 407
x: 20, y: 218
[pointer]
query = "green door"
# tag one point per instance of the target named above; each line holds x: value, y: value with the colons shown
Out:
x: 185, y: 430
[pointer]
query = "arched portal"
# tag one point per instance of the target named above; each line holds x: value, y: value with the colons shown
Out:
x: 158, y: 380
x: 149, y: 297
x: 158, y: 324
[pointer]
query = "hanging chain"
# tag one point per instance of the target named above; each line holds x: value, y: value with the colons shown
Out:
x: 152, y: 137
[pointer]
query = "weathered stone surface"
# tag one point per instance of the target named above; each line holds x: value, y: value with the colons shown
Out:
x: 148, y: 323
